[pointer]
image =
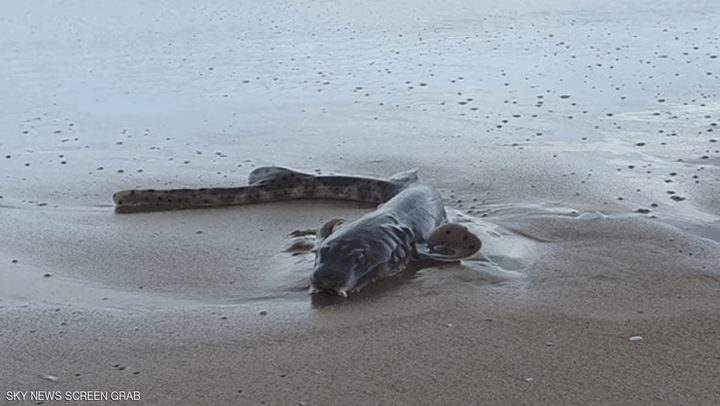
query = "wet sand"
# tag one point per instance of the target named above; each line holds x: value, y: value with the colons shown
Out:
x: 581, y: 146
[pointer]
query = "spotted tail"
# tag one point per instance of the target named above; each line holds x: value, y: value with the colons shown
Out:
x: 267, y: 184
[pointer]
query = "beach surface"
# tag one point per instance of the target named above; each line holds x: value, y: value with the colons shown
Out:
x: 578, y: 139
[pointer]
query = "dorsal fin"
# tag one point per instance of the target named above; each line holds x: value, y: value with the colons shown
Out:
x: 270, y: 172
x: 405, y: 177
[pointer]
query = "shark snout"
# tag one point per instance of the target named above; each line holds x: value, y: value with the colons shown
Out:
x: 324, y: 279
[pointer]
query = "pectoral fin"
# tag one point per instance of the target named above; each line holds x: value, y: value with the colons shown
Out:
x: 328, y: 228
x: 449, y: 242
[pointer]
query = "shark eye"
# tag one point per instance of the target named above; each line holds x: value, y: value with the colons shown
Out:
x: 360, y: 258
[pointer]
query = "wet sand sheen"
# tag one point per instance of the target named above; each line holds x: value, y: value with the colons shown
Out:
x: 581, y: 147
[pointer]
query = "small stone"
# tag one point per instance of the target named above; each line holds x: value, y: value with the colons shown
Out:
x: 51, y: 378
x: 14, y: 261
x: 47, y: 275
x: 635, y: 338
x: 263, y: 313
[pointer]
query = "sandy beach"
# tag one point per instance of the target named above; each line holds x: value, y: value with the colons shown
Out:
x: 579, y: 140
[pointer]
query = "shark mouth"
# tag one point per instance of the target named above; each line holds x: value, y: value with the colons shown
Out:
x: 353, y: 285
x: 339, y: 291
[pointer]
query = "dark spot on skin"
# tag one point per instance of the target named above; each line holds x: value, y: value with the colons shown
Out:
x: 120, y: 202
x: 465, y: 238
x: 472, y: 246
x: 448, y: 232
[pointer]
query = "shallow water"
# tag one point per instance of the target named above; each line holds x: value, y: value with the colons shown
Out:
x: 551, y: 126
